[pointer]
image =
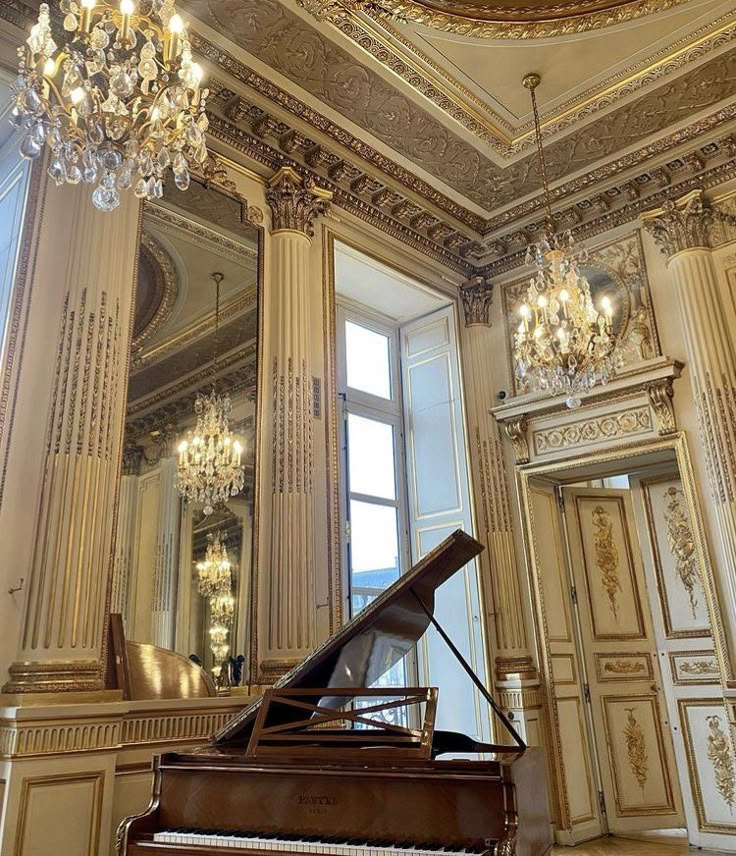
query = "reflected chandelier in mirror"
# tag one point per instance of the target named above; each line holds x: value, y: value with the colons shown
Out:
x: 181, y: 345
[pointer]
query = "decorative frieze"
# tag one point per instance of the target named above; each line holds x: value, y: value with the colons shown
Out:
x: 295, y: 202
x: 477, y: 296
x: 596, y: 429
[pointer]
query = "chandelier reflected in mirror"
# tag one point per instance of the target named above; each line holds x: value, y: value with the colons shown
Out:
x: 564, y: 344
x: 215, y: 582
x: 119, y: 104
x: 210, y: 468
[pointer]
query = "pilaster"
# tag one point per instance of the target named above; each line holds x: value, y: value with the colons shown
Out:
x: 165, y: 577
x: 63, y: 471
x: 516, y: 678
x: 682, y: 230
x: 286, y: 620
x: 124, y: 544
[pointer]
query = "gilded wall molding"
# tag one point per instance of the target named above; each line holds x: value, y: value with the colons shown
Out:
x: 476, y: 296
x: 506, y: 21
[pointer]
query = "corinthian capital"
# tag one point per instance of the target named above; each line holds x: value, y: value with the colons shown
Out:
x: 477, y: 297
x: 680, y: 224
x: 295, y: 202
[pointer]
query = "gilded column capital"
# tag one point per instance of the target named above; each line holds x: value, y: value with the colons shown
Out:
x: 680, y: 224
x: 295, y: 202
x: 477, y: 296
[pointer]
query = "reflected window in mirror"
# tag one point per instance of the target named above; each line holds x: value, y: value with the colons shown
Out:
x: 181, y: 350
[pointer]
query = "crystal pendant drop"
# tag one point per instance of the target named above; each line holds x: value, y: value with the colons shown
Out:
x: 29, y: 148
x: 106, y: 196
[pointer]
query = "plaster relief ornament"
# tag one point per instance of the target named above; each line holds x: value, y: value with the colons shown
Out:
x: 119, y: 104
x: 606, y: 556
x: 681, y: 544
x: 636, y: 748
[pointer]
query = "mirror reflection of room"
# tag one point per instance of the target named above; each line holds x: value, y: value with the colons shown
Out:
x: 183, y: 553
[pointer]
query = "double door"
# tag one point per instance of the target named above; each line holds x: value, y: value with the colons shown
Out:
x: 616, y: 769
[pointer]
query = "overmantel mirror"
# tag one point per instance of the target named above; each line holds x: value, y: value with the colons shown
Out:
x: 183, y: 565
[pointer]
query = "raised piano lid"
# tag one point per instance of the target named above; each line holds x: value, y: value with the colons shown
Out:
x: 379, y: 636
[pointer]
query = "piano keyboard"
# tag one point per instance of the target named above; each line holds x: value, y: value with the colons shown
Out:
x: 308, y: 844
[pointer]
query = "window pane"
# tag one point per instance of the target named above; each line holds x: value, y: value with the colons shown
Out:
x: 367, y: 360
x: 371, y: 457
x: 374, y: 547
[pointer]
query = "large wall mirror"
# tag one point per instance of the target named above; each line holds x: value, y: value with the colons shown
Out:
x: 183, y: 566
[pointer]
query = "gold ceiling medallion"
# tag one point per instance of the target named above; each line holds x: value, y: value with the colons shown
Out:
x: 563, y: 345
x: 512, y: 20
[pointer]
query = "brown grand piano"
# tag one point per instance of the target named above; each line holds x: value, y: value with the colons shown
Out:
x: 326, y: 763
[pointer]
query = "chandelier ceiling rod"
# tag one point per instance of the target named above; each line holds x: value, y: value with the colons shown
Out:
x: 217, y: 278
x: 531, y: 82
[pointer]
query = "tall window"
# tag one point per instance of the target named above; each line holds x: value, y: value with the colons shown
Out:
x: 404, y: 475
x: 376, y: 506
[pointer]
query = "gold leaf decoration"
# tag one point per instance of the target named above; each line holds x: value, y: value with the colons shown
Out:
x: 624, y: 667
x: 719, y: 754
x: 637, y: 748
x: 699, y: 667
x: 682, y: 544
x: 606, y: 556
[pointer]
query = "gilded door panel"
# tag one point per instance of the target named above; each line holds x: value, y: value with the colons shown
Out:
x: 632, y: 739
x: 610, y: 580
x: 710, y: 763
x: 641, y: 779
x: 676, y: 560
x: 551, y: 564
x: 570, y: 759
x: 578, y: 771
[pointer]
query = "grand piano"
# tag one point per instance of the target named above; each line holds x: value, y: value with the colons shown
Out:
x: 328, y: 763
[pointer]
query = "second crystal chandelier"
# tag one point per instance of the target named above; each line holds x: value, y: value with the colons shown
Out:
x: 564, y: 344
x: 210, y: 460
x: 118, y: 104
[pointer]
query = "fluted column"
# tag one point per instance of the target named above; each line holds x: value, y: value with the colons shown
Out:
x: 682, y: 230
x: 286, y: 620
x: 516, y: 677
x: 125, y: 533
x: 63, y: 473
x: 165, y: 577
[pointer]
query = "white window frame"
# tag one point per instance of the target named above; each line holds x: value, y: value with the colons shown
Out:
x: 389, y: 411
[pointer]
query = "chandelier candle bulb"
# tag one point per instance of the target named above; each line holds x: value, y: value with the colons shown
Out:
x: 85, y: 19
x: 176, y: 25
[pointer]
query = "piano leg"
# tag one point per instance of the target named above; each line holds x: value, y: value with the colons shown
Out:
x: 528, y: 825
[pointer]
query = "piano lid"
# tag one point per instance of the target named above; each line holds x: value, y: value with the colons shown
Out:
x: 379, y: 636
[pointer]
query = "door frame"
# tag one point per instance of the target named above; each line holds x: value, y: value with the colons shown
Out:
x: 598, y: 464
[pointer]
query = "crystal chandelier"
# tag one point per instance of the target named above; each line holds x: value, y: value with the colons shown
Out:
x: 210, y: 468
x: 564, y: 344
x: 119, y: 104
x: 215, y: 581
